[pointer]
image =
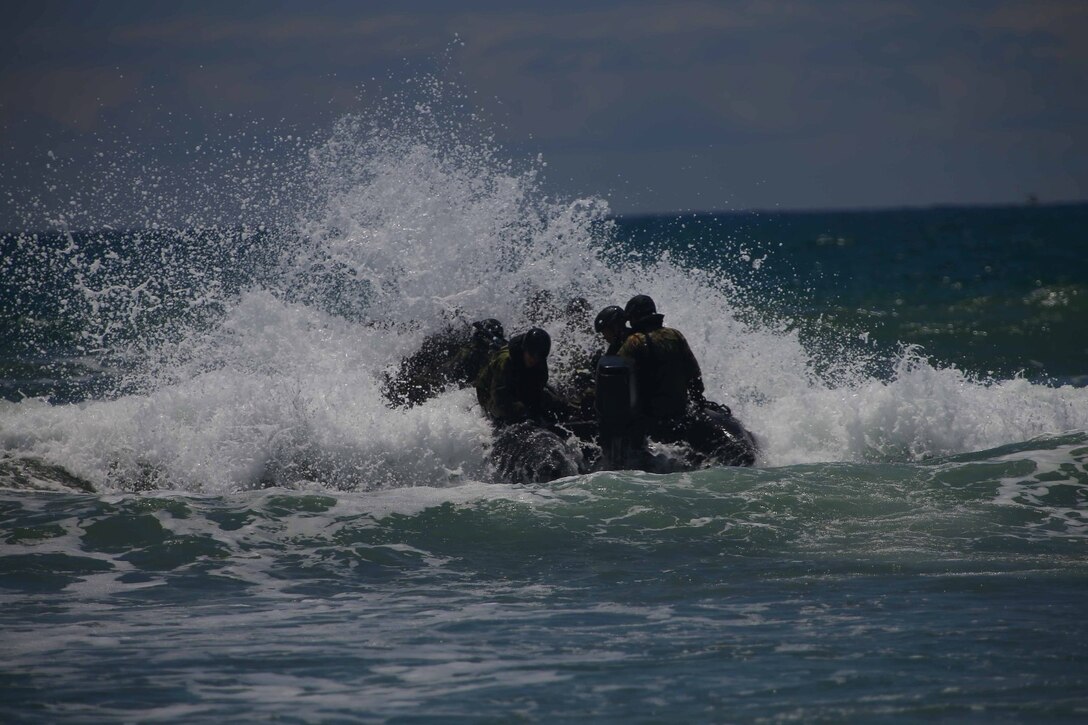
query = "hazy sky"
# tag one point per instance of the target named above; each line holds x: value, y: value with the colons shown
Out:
x: 656, y: 106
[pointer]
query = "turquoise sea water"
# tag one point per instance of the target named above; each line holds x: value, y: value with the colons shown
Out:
x: 837, y: 591
x: 207, y: 512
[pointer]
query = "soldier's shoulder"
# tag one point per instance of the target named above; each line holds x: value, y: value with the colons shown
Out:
x: 634, y: 341
x: 500, y: 359
x: 495, y: 360
x: 672, y: 333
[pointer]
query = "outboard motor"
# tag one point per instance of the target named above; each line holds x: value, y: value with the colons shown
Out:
x: 616, y: 401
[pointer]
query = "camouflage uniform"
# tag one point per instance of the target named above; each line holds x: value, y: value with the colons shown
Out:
x: 510, y: 392
x: 671, y: 403
x: 668, y: 378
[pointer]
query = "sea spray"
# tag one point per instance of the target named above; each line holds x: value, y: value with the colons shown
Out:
x: 251, y: 356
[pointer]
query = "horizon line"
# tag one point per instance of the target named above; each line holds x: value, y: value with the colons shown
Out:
x: 677, y: 214
x: 1029, y: 204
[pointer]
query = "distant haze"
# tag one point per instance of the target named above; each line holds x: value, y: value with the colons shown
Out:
x: 655, y: 106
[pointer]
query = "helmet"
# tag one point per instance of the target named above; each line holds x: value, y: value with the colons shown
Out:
x: 537, y: 343
x: 640, y: 306
x: 611, y: 315
x: 488, y: 331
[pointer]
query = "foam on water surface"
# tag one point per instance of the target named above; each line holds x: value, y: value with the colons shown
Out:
x: 404, y: 221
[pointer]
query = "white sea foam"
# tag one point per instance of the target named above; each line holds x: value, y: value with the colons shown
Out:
x: 417, y: 226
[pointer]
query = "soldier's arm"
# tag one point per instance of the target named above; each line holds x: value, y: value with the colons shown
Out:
x: 696, y: 390
x: 483, y: 386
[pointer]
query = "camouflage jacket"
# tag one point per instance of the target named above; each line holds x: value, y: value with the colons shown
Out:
x: 667, y: 375
x: 508, y: 391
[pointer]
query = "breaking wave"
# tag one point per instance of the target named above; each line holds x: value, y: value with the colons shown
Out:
x: 222, y: 358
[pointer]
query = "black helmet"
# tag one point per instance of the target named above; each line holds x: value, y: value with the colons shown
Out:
x: 488, y: 331
x: 640, y: 306
x: 611, y: 315
x: 537, y: 342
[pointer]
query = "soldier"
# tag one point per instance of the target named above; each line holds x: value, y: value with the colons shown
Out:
x: 669, y: 380
x: 611, y: 324
x: 671, y: 405
x: 512, y: 387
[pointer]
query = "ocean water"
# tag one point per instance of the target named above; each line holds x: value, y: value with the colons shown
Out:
x: 207, y: 513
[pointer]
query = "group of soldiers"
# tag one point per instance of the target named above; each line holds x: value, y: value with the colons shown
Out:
x: 666, y: 403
